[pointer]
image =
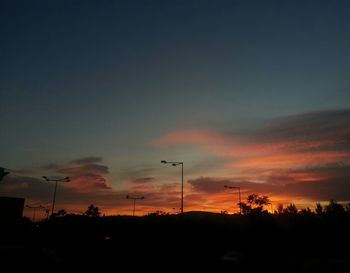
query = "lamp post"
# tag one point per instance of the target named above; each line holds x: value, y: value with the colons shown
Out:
x: 176, y: 163
x: 34, y: 209
x: 55, y: 179
x: 134, y: 198
x: 239, y: 196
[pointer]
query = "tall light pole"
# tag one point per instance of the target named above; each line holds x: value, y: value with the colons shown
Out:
x: 176, y: 163
x: 134, y: 198
x: 34, y: 209
x: 239, y: 196
x: 55, y: 179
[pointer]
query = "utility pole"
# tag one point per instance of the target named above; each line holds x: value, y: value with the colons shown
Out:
x: 239, y: 196
x: 176, y: 163
x: 34, y: 209
x: 134, y: 198
x: 55, y: 179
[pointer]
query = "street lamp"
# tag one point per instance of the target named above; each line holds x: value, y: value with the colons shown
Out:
x: 239, y: 196
x: 134, y: 198
x: 55, y: 179
x: 182, y: 180
x: 34, y: 209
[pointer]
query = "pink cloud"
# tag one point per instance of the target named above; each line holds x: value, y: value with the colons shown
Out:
x: 278, y: 154
x: 301, y: 140
x: 300, y: 158
x: 216, y: 142
x: 286, y: 159
x: 87, y: 177
x: 193, y: 137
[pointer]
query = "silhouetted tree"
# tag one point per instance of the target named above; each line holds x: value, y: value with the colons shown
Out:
x: 306, y: 211
x: 319, y: 209
x: 246, y: 209
x: 255, y: 203
x: 3, y: 173
x: 158, y: 213
x: 61, y: 212
x: 347, y: 207
x: 93, y: 211
x: 291, y: 209
x: 333, y: 208
x: 47, y: 212
x: 280, y: 208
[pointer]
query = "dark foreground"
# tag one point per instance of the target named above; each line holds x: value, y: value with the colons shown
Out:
x: 194, y: 241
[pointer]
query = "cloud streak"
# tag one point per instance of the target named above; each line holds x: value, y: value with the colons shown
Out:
x: 87, y: 160
x: 302, y: 156
x: 87, y: 177
x: 297, y: 158
x: 143, y: 180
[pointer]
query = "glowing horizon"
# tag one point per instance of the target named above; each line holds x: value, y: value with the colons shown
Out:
x: 312, y: 169
x: 245, y: 93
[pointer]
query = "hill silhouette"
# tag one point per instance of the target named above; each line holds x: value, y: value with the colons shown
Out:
x: 195, y: 240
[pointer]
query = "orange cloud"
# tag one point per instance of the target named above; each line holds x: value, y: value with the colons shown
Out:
x: 301, y: 159
x: 292, y: 160
x: 215, y: 142
x: 306, y: 152
x: 193, y: 137
x: 86, y: 177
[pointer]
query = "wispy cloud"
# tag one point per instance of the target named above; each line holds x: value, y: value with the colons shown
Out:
x: 287, y: 185
x: 87, y: 160
x: 50, y: 166
x: 143, y: 180
x: 85, y: 174
x: 87, y: 177
x: 303, y: 156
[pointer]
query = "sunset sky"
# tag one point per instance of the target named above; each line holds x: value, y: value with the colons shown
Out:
x: 254, y: 94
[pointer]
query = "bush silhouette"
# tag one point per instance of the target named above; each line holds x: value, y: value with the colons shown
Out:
x: 333, y: 208
x: 93, y: 211
x: 254, y: 204
x: 291, y: 209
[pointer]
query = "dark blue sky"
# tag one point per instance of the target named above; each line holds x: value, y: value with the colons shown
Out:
x: 108, y: 78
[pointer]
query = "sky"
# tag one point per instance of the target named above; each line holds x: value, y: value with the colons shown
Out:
x: 254, y: 94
